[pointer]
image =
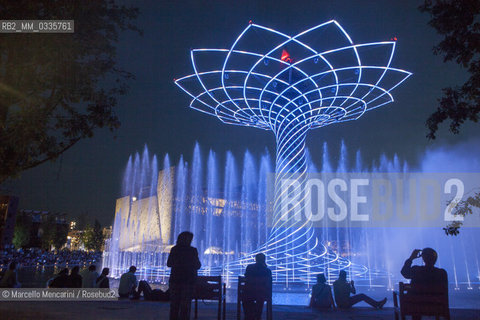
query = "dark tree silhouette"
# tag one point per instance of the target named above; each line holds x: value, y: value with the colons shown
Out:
x: 56, y: 89
x: 458, y: 22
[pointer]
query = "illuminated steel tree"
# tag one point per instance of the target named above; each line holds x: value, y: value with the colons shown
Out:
x: 290, y: 85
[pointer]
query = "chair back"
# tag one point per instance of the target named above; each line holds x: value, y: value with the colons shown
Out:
x: 208, y: 288
x: 423, y: 300
x: 243, y: 289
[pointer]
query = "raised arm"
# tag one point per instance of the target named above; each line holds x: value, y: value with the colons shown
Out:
x: 406, y: 271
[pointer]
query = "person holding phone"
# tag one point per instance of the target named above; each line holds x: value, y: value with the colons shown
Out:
x: 427, y: 275
x: 342, y: 289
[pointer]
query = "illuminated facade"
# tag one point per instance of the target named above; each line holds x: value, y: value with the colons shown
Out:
x: 147, y: 223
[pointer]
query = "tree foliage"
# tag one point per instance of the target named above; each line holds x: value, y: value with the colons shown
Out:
x: 53, y: 233
x: 22, y: 231
x: 458, y: 22
x: 93, y: 237
x: 56, y: 89
x: 462, y: 208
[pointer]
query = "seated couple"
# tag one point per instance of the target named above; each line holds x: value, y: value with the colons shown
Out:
x: 322, y: 294
x: 128, y: 288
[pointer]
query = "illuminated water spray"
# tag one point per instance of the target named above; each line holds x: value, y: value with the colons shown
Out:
x: 290, y: 85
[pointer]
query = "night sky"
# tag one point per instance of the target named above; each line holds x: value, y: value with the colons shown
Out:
x: 87, y: 178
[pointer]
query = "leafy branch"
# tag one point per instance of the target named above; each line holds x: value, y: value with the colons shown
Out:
x: 461, y: 208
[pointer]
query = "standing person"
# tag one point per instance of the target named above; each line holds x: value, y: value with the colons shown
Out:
x: 342, y: 290
x: 102, y: 281
x: 322, y: 294
x: 89, y: 277
x: 183, y: 259
x: 9, y: 279
x: 75, y: 280
x: 128, y: 284
x: 258, y: 287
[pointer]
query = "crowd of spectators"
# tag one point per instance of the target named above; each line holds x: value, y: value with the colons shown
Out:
x: 36, y: 258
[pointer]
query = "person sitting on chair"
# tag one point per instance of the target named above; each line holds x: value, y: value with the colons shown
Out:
x: 258, y: 287
x: 428, y: 277
x: 342, y: 290
x: 322, y: 294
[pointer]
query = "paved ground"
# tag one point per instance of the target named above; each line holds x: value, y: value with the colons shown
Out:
x: 144, y: 310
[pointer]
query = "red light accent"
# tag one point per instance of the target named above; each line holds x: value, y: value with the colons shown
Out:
x: 395, y: 38
x: 250, y: 21
x: 285, y: 56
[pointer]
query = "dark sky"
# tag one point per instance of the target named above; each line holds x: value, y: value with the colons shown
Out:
x: 88, y: 177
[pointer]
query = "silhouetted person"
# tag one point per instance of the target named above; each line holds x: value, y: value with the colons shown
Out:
x: 102, y: 281
x: 425, y: 279
x: 343, y: 289
x: 128, y: 284
x: 152, y: 294
x: 61, y: 280
x: 183, y: 259
x: 89, y: 277
x: 9, y: 279
x: 428, y: 277
x: 258, y: 287
x: 322, y: 294
x: 75, y: 280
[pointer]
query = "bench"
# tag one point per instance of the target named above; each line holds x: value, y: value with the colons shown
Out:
x: 240, y: 296
x: 210, y: 288
x: 420, y: 301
